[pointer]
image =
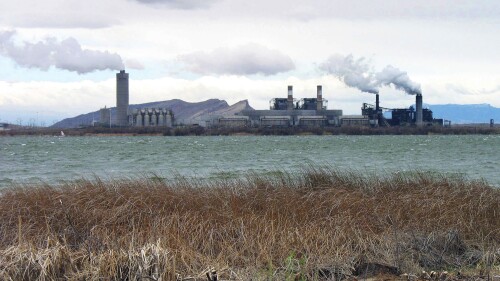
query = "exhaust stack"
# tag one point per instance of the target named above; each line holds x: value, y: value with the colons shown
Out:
x: 377, y: 103
x: 122, y: 100
x: 319, y: 98
x: 290, y: 98
x: 419, y: 110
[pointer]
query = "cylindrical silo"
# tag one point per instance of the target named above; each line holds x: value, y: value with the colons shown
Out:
x: 147, y: 120
x: 154, y: 117
x: 121, y: 99
x: 161, y: 118
x: 169, y: 119
x: 138, y: 119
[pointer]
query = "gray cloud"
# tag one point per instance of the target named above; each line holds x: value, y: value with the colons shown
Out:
x: 67, y: 54
x: 358, y: 73
x: 243, y: 60
x: 180, y: 4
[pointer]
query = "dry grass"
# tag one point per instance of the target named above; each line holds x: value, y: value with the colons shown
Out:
x: 317, y: 224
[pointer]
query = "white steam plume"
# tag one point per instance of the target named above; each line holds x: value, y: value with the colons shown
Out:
x: 353, y: 72
x: 67, y: 54
x: 358, y: 73
x: 391, y: 75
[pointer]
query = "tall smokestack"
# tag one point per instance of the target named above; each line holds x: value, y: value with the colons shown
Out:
x: 121, y: 98
x: 290, y: 98
x: 419, y: 111
x: 319, y: 98
x: 377, y: 103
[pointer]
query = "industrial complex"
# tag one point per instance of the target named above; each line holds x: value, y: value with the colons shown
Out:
x: 283, y: 112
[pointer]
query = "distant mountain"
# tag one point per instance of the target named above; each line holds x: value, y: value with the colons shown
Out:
x: 465, y: 113
x: 184, y: 112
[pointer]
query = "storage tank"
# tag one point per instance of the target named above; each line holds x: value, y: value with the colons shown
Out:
x: 122, y: 98
x: 161, y: 118
x: 169, y: 119
x: 147, y: 119
x: 154, y: 117
x: 138, y: 119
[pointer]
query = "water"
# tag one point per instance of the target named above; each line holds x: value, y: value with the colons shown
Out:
x: 55, y: 159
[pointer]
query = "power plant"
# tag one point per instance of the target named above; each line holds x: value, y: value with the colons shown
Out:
x: 288, y: 112
x: 417, y: 116
x: 282, y: 112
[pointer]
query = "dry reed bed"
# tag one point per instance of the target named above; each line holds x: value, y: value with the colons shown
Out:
x: 316, y: 224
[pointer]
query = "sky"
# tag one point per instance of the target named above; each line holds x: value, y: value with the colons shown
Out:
x: 58, y: 58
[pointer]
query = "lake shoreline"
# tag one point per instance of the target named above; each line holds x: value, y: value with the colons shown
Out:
x: 235, y: 131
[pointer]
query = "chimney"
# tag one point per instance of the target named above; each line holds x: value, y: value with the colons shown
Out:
x: 122, y: 99
x: 319, y: 98
x: 419, y: 111
x: 290, y: 98
x: 377, y: 103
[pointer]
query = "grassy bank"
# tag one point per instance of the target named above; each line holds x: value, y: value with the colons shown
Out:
x: 200, y: 131
x: 319, y: 224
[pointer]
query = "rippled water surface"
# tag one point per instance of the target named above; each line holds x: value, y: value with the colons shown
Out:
x: 52, y: 159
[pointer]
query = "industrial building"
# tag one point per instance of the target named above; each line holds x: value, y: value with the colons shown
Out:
x: 143, y: 117
x: 105, y: 116
x: 418, y: 116
x: 288, y: 112
x: 282, y: 112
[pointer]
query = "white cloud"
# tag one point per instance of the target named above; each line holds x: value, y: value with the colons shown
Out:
x: 242, y: 60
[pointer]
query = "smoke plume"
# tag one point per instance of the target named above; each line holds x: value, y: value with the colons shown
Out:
x: 391, y: 75
x: 358, y: 73
x: 67, y: 54
x: 353, y: 72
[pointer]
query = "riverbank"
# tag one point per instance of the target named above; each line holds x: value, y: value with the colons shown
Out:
x: 318, y: 224
x: 279, y: 131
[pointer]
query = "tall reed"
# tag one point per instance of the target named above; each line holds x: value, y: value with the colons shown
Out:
x: 317, y: 224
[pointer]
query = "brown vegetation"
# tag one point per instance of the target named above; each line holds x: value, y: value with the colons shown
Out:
x: 319, y: 224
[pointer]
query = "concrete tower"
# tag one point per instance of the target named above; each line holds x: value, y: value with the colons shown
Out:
x: 121, y: 99
x: 319, y: 98
x: 419, y: 111
x: 289, y: 104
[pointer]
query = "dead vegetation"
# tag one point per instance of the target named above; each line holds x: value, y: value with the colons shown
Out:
x: 319, y: 224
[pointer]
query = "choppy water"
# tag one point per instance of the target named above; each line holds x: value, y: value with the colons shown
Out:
x: 52, y: 159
